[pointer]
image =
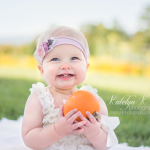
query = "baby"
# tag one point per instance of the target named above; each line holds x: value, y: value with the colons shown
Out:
x: 62, y: 53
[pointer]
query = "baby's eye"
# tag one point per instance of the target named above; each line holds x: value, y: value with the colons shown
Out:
x: 54, y: 59
x: 75, y: 58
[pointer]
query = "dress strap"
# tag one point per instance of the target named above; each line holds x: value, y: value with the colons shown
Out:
x: 44, y: 95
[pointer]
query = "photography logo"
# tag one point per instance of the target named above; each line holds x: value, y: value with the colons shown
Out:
x: 130, y: 107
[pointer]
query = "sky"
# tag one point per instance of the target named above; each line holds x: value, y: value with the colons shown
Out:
x: 30, y: 18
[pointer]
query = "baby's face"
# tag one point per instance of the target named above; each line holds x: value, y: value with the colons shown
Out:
x: 64, y: 59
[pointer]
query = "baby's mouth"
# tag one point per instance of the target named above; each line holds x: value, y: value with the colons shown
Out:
x: 65, y: 75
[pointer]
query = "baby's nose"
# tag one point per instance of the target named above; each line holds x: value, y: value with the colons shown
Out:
x: 65, y: 66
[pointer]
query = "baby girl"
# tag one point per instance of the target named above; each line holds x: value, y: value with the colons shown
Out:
x: 63, y: 53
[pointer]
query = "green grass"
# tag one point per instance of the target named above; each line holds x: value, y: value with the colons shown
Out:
x: 13, y: 95
x: 133, y: 129
x: 120, y: 83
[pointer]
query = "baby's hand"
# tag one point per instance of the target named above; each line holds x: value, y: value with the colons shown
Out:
x: 92, y: 126
x: 67, y: 125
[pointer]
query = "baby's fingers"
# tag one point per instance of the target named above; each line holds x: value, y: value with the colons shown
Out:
x: 77, y: 125
x: 70, y: 113
x: 99, y: 118
x: 91, y: 117
x: 73, y: 117
x: 78, y: 131
x: 75, y: 121
x: 84, y: 119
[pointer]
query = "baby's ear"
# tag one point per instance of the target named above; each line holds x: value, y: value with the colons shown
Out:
x: 88, y: 64
x: 40, y: 68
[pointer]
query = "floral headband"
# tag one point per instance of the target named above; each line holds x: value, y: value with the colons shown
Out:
x: 45, y: 47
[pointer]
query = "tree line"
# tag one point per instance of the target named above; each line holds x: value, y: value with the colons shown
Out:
x: 105, y: 41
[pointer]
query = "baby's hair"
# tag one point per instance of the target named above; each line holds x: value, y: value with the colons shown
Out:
x: 62, y: 31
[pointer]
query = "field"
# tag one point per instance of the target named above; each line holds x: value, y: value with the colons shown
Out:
x: 134, y: 121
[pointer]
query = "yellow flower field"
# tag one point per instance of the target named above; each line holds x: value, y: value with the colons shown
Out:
x: 103, y: 64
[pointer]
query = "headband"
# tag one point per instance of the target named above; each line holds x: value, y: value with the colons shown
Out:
x: 46, y: 47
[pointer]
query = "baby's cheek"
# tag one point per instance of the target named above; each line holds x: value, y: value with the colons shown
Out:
x: 82, y: 75
x: 49, y: 76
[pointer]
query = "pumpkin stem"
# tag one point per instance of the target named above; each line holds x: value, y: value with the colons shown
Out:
x: 95, y: 114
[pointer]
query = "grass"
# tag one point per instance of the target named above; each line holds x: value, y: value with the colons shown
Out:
x: 133, y: 129
x: 120, y: 82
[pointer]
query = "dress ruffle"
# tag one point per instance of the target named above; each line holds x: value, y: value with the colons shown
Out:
x: 47, y: 101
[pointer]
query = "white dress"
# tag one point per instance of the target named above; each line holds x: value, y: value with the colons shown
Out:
x: 12, y: 140
x: 71, y: 142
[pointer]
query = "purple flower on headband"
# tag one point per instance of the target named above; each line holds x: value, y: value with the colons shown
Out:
x: 50, y: 42
x: 41, y: 51
x: 45, y: 46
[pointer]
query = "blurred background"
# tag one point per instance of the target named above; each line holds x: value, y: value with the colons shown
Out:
x: 118, y: 34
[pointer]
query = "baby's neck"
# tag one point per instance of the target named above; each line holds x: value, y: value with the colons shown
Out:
x: 65, y: 92
x: 59, y: 95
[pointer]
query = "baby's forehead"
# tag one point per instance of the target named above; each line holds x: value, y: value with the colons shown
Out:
x: 65, y: 49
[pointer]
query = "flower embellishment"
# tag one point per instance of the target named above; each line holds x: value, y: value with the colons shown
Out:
x: 45, y: 47
x: 41, y: 52
x: 50, y: 42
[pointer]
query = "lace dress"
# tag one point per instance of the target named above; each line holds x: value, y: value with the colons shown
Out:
x: 71, y: 142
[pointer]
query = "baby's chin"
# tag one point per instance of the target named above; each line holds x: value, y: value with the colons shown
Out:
x: 65, y: 86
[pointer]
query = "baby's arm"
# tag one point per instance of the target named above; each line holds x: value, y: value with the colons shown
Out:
x: 33, y: 133
x: 37, y: 137
x: 99, y: 141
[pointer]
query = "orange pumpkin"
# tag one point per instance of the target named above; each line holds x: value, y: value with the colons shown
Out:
x: 83, y: 101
